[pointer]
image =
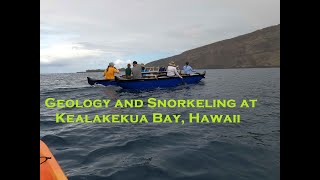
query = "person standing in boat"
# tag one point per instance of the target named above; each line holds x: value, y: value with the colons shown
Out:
x: 136, y: 70
x: 172, y: 70
x: 110, y: 72
x: 187, y: 69
x: 128, y: 71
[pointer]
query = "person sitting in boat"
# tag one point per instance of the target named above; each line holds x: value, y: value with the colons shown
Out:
x: 143, y: 69
x: 178, y: 69
x: 128, y: 71
x: 172, y: 70
x: 187, y: 69
x: 136, y: 70
x: 162, y: 69
x: 110, y: 72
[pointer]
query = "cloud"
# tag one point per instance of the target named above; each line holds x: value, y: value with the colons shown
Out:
x: 66, y: 51
x: 144, y: 30
x: 122, y: 63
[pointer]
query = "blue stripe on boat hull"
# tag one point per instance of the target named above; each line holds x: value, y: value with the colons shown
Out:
x: 158, y: 83
x: 161, y: 82
x: 107, y: 83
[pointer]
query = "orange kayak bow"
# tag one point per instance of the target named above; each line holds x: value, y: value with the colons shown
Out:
x: 49, y: 167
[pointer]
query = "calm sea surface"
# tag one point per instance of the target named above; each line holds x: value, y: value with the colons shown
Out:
x: 248, y: 150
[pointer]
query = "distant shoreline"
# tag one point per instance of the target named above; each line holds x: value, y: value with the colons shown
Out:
x: 98, y: 70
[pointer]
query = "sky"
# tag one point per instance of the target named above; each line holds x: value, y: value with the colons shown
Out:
x: 76, y: 35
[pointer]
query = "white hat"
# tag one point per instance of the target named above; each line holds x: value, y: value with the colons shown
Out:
x: 172, y: 63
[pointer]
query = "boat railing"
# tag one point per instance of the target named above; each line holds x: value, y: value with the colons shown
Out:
x: 152, y: 68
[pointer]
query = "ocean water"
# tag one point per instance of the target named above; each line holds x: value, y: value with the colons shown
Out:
x: 247, y: 150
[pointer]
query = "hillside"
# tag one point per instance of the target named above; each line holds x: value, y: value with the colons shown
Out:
x: 260, y: 48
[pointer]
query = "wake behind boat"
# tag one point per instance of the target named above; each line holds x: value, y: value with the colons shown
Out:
x: 151, y: 81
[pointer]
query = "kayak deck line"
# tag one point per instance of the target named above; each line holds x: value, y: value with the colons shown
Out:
x: 49, y: 166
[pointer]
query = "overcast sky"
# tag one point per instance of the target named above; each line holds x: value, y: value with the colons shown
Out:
x: 88, y: 34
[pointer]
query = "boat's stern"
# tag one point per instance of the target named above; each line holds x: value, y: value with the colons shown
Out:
x: 91, y: 81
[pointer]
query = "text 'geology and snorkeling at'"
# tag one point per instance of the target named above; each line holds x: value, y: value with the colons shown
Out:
x: 151, y: 103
